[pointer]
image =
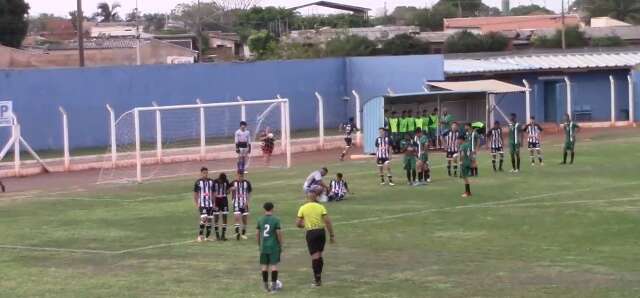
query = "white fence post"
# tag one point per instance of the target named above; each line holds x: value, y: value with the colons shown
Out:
x: 65, y: 138
x: 527, y: 101
x: 283, y: 121
x: 112, y: 129
x: 243, y: 110
x: 358, y: 119
x: 136, y: 124
x: 613, y: 100
x: 288, y: 128
x: 16, y: 147
x: 320, y: 118
x: 569, y: 99
x: 158, y: 133
x: 203, y: 132
x: 632, y: 108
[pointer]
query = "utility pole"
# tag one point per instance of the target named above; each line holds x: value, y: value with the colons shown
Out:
x: 459, y: 9
x: 564, y: 37
x: 80, y: 20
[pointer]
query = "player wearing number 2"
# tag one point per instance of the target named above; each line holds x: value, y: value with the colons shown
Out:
x: 270, y: 240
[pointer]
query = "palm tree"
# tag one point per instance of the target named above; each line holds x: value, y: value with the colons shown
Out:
x: 108, y: 13
x: 623, y: 10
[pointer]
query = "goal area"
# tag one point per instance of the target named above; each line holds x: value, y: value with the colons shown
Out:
x: 170, y: 141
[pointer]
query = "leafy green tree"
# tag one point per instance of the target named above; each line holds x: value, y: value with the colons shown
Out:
x: 263, y: 44
x: 405, y: 44
x: 533, y: 9
x: 608, y: 41
x: 194, y: 16
x: 574, y: 38
x: 350, y: 45
x: 262, y: 18
x: 154, y: 22
x: 623, y: 10
x: 107, y: 13
x: 333, y: 21
x: 13, y: 22
x: 467, y: 42
x: 494, y: 42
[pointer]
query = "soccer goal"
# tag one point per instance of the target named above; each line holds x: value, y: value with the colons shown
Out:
x: 169, y: 141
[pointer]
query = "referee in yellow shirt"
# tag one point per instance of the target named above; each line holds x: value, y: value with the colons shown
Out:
x: 313, y: 218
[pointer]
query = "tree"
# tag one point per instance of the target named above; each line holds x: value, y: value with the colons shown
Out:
x: 271, y: 18
x: 494, y: 42
x: 623, y: 10
x: 467, y: 42
x: 39, y: 23
x: 573, y: 36
x: 206, y: 15
x: 608, y: 41
x: 237, y: 4
x: 108, y: 13
x: 526, y: 10
x: 405, y: 44
x: 464, y: 8
x: 263, y: 44
x: 350, y: 45
x: 154, y: 22
x: 13, y: 22
x: 132, y: 16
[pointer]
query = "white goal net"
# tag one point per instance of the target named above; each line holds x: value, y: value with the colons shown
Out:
x: 170, y: 141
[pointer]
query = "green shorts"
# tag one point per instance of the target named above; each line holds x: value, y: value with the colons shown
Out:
x: 570, y: 146
x: 513, y: 148
x: 409, y: 163
x: 465, y: 171
x: 424, y: 158
x: 270, y: 258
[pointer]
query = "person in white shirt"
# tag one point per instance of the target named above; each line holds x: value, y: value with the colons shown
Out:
x: 243, y: 146
x: 315, y: 178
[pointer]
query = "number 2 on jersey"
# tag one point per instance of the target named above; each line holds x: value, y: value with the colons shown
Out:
x: 267, y: 228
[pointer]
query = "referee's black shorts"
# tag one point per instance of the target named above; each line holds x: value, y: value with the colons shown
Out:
x: 316, y: 240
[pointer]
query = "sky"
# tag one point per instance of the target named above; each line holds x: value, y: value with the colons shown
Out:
x: 62, y: 7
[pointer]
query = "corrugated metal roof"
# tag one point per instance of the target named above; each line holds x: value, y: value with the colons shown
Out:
x: 542, y: 62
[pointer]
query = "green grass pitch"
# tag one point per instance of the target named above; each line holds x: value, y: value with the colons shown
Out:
x: 552, y: 231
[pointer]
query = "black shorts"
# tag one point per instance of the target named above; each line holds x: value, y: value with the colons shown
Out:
x: 450, y: 154
x: 221, y: 205
x: 534, y: 145
x: 206, y: 211
x: 316, y: 239
x: 348, y: 142
x: 382, y: 161
x: 495, y: 150
x: 335, y: 197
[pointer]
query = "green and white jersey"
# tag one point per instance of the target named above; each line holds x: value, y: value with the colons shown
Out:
x: 514, y: 133
x: 268, y: 225
x: 466, y: 154
x: 570, y: 131
x: 421, y: 144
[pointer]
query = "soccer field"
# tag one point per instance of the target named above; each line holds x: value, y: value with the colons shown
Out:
x: 552, y: 231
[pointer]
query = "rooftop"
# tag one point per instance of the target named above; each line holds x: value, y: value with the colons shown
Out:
x: 338, y: 6
x: 542, y: 62
x: 487, y: 24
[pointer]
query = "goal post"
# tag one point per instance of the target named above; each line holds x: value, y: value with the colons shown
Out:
x: 148, y: 142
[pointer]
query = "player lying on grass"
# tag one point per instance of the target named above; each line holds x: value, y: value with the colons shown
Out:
x: 383, y: 156
x: 338, y: 188
x: 534, y: 139
x: 243, y: 145
x: 466, y: 158
x: 313, y: 217
x: 452, y: 147
x: 496, y: 145
x: 515, y: 142
x: 570, y: 129
x: 421, y: 142
x: 221, y: 205
x: 202, y: 199
x: 348, y: 128
x: 270, y: 242
x: 241, y: 190
x: 268, y: 141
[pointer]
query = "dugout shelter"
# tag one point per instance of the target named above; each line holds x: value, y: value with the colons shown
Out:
x: 467, y: 101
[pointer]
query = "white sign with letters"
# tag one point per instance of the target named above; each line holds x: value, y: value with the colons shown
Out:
x: 6, y: 113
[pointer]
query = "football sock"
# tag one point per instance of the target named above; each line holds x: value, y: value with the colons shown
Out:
x: 409, y: 175
x: 467, y: 188
x: 573, y: 154
x: 265, y: 276
x: 493, y: 162
x: 513, y: 161
x: 540, y: 157
x: 237, y: 226
x: 217, y: 229
x: 274, y: 275
x: 208, y: 230
x: 564, y: 157
x: 533, y: 158
x: 427, y: 174
x: 342, y: 155
x: 244, y: 229
x: 476, y: 171
x: 201, y: 229
x: 421, y: 176
x: 315, y: 264
x: 449, y: 168
x: 224, y: 230
x: 390, y: 178
x: 501, y: 161
x: 455, y: 170
x: 382, y: 178
x: 413, y: 175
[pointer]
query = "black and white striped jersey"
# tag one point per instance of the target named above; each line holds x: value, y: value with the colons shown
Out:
x: 383, y: 147
x: 533, y: 132
x: 496, y: 140
x: 241, y: 192
x: 339, y: 187
x: 221, y: 188
x: 349, y: 128
x: 451, y: 141
x: 203, y: 189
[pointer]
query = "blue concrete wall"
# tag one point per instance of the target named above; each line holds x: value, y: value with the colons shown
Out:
x: 84, y: 92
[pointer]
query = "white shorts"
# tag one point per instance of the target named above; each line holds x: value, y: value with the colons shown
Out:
x: 243, y: 151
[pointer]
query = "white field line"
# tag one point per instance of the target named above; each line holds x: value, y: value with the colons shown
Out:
x: 494, y: 204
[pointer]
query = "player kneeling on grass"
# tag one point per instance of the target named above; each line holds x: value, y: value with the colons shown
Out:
x: 338, y: 189
x: 466, y: 157
x: 270, y: 241
x: 313, y: 217
x: 202, y: 199
x: 383, y: 156
x: 221, y: 205
x: 241, y: 190
x: 422, y: 141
